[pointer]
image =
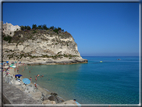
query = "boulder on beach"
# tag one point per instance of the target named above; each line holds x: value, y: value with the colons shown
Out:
x: 54, y: 97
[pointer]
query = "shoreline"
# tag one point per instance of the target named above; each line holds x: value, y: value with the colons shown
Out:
x: 49, y: 61
x: 57, y: 62
x: 45, y: 92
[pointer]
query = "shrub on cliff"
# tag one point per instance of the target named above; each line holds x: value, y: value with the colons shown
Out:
x: 56, y: 30
x: 34, y: 31
x: 25, y: 28
x: 7, y: 38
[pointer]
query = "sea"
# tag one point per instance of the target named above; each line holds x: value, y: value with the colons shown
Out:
x: 110, y: 81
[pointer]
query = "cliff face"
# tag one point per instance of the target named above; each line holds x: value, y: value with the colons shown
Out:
x: 41, y: 45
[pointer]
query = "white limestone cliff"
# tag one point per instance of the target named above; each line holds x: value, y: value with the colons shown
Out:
x: 43, y: 47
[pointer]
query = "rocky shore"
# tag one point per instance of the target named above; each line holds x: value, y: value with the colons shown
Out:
x: 51, y: 61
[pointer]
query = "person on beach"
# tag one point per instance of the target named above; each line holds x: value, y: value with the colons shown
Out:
x: 35, y: 85
x: 7, y: 73
x: 29, y: 71
x: 31, y: 79
x: 79, y: 105
x: 36, y: 78
x: 7, y: 69
x: 38, y: 75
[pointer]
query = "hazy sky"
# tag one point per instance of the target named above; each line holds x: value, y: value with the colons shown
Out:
x: 99, y: 29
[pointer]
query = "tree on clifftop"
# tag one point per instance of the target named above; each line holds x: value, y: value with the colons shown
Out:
x: 52, y: 27
x: 45, y: 27
x: 59, y: 28
x: 34, y: 26
x: 22, y: 27
x: 25, y: 27
x: 39, y: 27
x: 56, y: 30
x: 28, y: 28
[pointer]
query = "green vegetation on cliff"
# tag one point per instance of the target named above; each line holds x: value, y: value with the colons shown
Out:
x: 27, y: 32
x: 42, y: 27
x: 25, y: 55
x: 7, y: 38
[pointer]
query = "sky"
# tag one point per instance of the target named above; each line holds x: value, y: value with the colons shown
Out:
x: 99, y: 29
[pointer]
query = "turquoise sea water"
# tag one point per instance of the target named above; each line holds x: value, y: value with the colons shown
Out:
x: 110, y: 82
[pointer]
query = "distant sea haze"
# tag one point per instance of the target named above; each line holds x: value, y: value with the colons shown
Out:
x: 111, y: 81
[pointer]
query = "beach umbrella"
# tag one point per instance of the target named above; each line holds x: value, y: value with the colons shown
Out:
x: 26, y: 81
x: 12, y: 66
x: 7, y: 61
x: 19, y: 75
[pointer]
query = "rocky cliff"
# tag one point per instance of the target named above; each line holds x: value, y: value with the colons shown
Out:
x: 41, y: 46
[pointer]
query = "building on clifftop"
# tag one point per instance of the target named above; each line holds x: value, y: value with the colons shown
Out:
x: 8, y: 29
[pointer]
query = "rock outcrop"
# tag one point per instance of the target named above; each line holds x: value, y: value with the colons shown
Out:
x: 42, y: 46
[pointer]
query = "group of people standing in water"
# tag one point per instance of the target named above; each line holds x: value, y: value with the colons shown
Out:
x: 38, y: 76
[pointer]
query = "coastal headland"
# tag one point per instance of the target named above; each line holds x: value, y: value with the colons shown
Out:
x: 36, y: 46
x: 46, y: 46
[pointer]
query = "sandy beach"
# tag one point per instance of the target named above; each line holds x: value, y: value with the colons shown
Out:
x: 37, y: 93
